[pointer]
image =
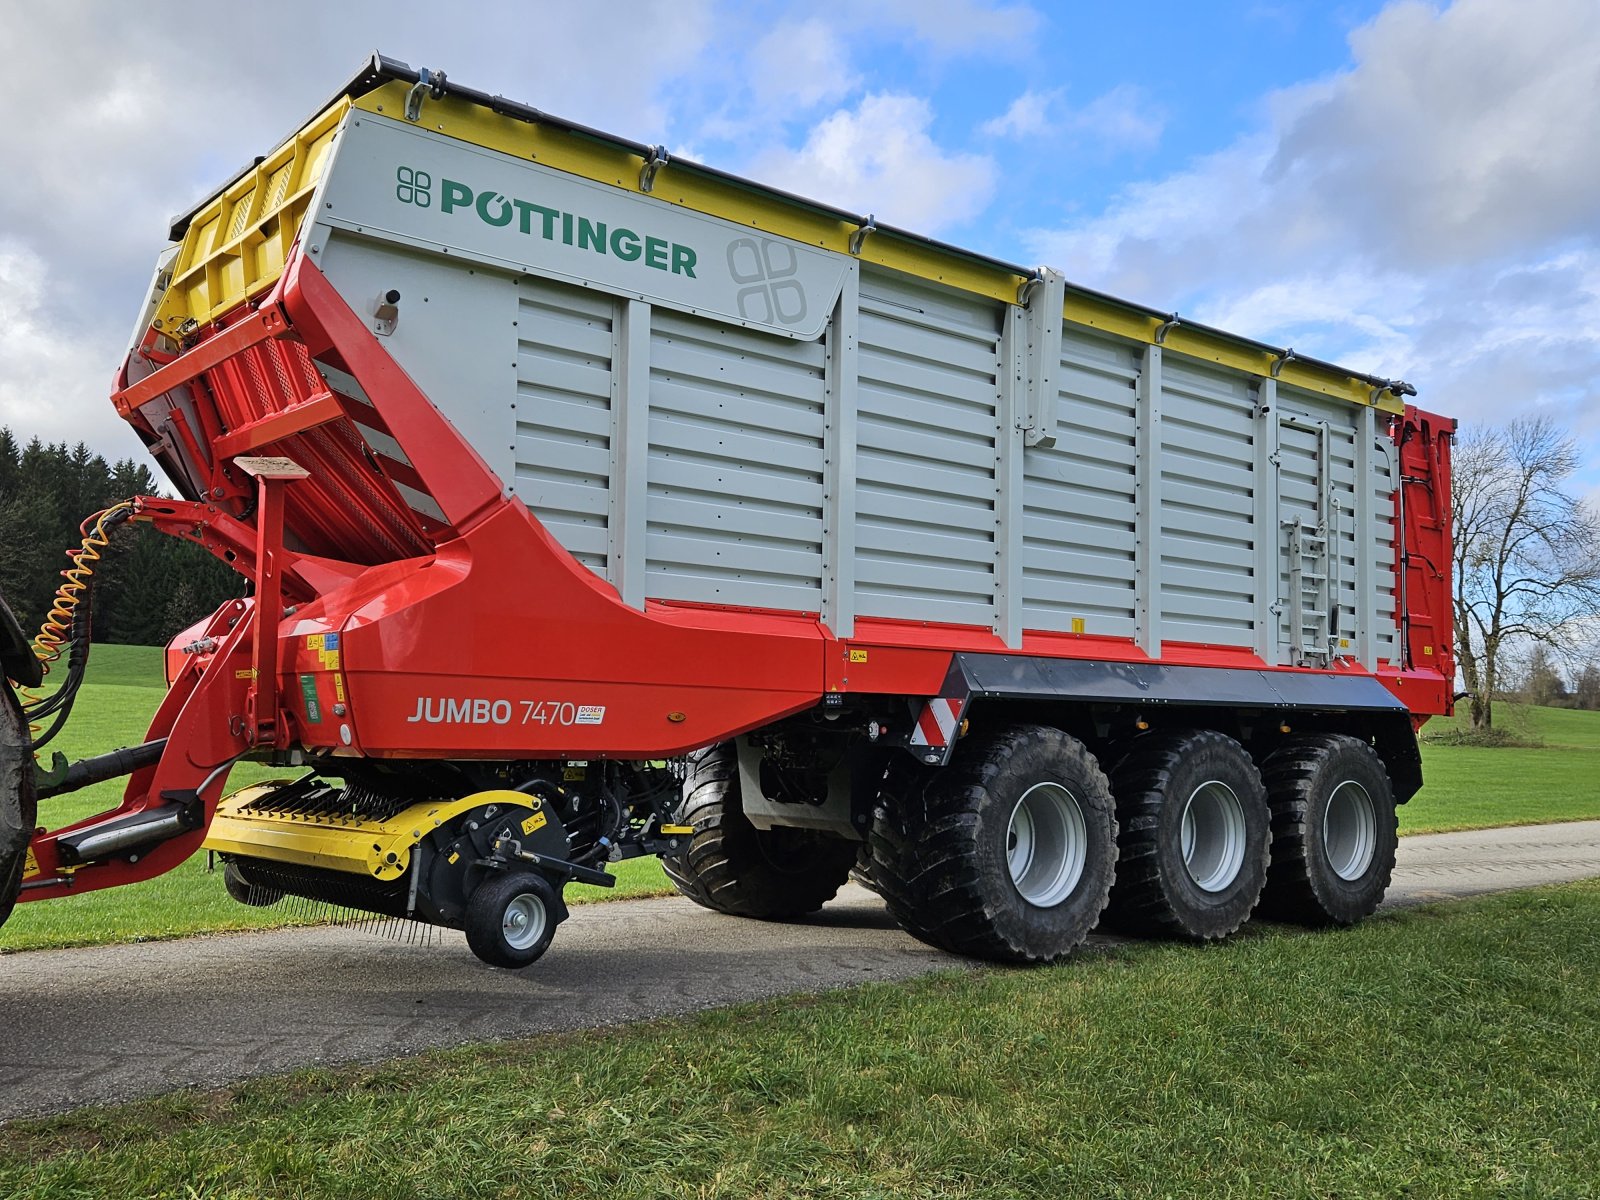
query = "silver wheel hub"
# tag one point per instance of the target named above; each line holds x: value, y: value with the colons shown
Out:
x: 523, y: 922
x: 1349, y: 830
x: 1213, y: 835
x: 1046, y: 844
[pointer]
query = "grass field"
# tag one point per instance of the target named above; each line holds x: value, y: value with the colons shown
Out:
x: 1467, y: 788
x: 1438, y: 1052
x: 1473, y: 787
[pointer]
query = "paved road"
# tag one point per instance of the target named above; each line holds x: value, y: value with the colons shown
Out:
x: 113, y: 1023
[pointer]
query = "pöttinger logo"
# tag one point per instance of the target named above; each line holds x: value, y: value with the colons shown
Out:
x: 765, y: 269
x: 413, y: 187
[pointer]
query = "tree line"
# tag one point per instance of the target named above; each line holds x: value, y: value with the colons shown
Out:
x: 148, y: 585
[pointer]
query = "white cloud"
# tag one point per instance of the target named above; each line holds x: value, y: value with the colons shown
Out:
x: 44, y: 367
x: 957, y: 26
x: 1124, y: 118
x: 1028, y: 116
x: 799, y: 65
x: 1428, y: 213
x: 879, y: 157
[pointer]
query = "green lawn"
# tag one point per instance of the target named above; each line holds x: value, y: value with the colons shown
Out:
x: 1472, y: 787
x: 1467, y: 788
x: 1436, y: 1052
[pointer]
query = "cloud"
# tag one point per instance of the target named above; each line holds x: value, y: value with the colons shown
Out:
x: 1430, y: 212
x: 1028, y: 116
x: 44, y: 367
x: 799, y: 65
x: 880, y: 157
x: 1467, y: 132
x: 1121, y: 119
x: 957, y: 26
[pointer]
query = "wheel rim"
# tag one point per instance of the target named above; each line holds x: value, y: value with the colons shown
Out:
x: 1046, y: 844
x: 1349, y: 830
x: 1213, y: 836
x: 523, y: 923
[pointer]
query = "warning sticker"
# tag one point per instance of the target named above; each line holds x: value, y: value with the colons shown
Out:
x: 30, y: 864
x: 538, y: 821
x: 591, y: 714
x: 858, y: 656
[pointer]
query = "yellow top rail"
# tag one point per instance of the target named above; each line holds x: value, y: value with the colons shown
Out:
x: 236, y: 245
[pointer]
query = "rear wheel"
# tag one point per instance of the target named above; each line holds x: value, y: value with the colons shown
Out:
x: 1006, y: 854
x: 1333, y: 830
x: 732, y: 867
x: 511, y: 918
x: 1195, y: 835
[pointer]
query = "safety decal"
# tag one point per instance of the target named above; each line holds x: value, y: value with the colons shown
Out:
x: 30, y: 864
x: 308, y: 689
x: 538, y: 821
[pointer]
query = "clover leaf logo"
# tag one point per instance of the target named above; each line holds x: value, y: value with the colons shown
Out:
x: 413, y: 187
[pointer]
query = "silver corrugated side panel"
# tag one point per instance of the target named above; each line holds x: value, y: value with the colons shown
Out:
x: 840, y: 438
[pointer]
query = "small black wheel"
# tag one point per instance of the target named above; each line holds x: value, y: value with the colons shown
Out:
x: 1006, y: 854
x: 240, y: 887
x: 730, y: 866
x: 1195, y: 836
x: 1333, y: 830
x: 511, y: 918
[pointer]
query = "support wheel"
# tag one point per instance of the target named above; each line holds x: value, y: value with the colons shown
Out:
x: 730, y: 866
x: 1333, y: 831
x: 1196, y: 833
x: 240, y: 887
x: 511, y: 918
x: 1006, y: 854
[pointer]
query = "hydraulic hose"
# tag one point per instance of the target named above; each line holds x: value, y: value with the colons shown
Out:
x: 68, y: 624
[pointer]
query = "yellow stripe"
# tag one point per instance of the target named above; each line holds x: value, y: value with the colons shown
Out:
x: 1107, y: 317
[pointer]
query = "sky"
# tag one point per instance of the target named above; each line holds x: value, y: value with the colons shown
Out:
x: 1410, y: 189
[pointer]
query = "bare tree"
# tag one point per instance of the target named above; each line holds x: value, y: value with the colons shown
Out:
x: 1586, y: 692
x: 1543, y: 684
x: 1527, y: 554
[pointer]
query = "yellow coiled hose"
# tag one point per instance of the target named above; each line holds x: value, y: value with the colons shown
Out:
x: 56, y: 631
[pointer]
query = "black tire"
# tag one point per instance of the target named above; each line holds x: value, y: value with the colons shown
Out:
x: 239, y: 886
x: 942, y: 842
x: 1312, y: 882
x: 1158, y: 892
x: 18, y: 800
x: 492, y: 918
x: 730, y: 866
